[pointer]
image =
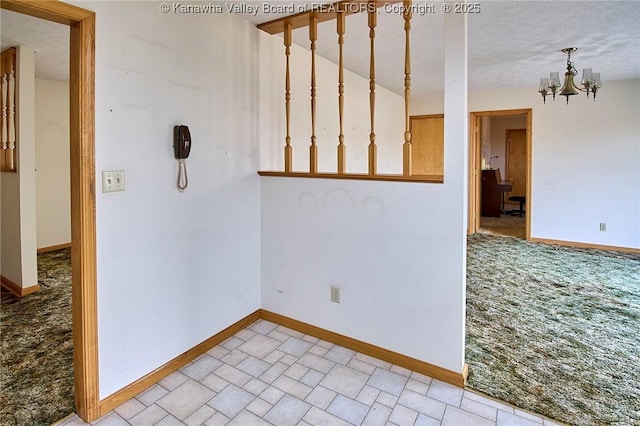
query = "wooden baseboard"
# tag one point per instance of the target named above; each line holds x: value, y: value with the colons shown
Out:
x: 584, y: 245
x: 53, y: 248
x: 15, y: 289
x: 135, y: 388
x: 442, y: 374
x: 128, y: 392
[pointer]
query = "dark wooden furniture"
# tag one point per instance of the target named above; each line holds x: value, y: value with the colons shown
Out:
x: 490, y: 194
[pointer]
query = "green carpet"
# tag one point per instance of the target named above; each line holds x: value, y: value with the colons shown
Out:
x: 555, y: 330
x: 36, y: 349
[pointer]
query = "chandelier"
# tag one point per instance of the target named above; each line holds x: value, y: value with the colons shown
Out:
x: 590, y: 81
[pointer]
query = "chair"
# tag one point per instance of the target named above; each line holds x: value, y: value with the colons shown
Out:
x: 520, y: 199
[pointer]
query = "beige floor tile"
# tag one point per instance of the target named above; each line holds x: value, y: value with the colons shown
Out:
x: 287, y: 412
x: 456, y: 417
x: 247, y: 418
x: 232, y: 375
x: 377, y: 416
x: 479, y: 408
x: 199, y: 416
x: 348, y: 409
x: 186, y: 399
x: 112, y: 419
x: 317, y: 417
x: 368, y: 395
x: 253, y: 366
x: 149, y: 416
x: 401, y: 415
x: 294, y: 346
x: 315, y: 362
x: 130, y: 408
x: 345, y: 380
x: 259, y: 407
x: 262, y: 326
x: 152, y: 394
x: 234, y: 357
x: 292, y: 387
x: 321, y: 397
x: 201, y: 367
x: 173, y: 380
x: 445, y: 392
x: 507, y: 419
x: 259, y: 346
x: 422, y: 404
x: 231, y: 401
x: 255, y: 386
x: 387, y: 381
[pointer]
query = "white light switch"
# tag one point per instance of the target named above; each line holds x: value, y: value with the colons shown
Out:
x: 113, y: 180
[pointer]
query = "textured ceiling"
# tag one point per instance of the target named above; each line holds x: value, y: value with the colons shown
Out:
x: 49, y: 40
x: 511, y: 43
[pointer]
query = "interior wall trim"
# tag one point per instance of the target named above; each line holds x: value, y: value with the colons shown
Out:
x: 82, y: 23
x: 439, y: 373
x: 133, y: 389
x: 53, y: 248
x: 15, y: 289
x: 584, y: 245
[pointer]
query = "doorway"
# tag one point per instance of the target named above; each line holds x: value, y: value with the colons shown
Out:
x: 509, y: 161
x: 82, y: 170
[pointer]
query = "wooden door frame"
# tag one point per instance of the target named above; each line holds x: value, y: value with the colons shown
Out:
x: 475, y: 143
x: 83, y: 217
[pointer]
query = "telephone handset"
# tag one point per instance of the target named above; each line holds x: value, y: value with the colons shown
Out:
x: 181, y: 149
x: 181, y: 142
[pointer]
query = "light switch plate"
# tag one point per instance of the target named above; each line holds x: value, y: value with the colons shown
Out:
x: 113, y: 180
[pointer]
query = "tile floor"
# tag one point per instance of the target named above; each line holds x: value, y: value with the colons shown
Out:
x: 271, y: 375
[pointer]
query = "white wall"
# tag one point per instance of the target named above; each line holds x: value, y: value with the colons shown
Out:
x: 395, y: 249
x: 586, y: 161
x: 18, y: 258
x: 173, y: 268
x: 499, y: 127
x: 53, y: 190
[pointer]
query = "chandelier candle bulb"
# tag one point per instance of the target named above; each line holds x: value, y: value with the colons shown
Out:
x: 590, y: 81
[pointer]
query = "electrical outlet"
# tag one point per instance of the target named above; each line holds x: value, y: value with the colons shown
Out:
x: 335, y: 294
x: 603, y: 227
x: 113, y: 180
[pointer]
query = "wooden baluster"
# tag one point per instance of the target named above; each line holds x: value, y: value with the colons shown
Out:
x: 4, y: 114
x: 340, y: 21
x: 406, y: 151
x: 12, y: 121
x: 372, y: 87
x: 313, y: 149
x: 288, y: 153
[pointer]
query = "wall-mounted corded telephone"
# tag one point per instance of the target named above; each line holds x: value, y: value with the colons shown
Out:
x: 181, y: 149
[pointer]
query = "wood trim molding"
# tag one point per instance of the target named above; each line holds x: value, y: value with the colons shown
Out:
x: 584, y: 245
x: 356, y: 176
x: 15, y: 289
x: 83, y: 229
x: 474, y: 144
x: 53, y: 248
x: 128, y: 392
x: 448, y: 376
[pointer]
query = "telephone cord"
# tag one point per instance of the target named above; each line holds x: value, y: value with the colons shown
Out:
x: 182, y: 170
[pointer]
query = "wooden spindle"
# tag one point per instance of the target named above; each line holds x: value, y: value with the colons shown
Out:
x: 313, y: 149
x: 406, y: 151
x: 12, y: 121
x: 372, y: 87
x: 5, y: 123
x: 340, y: 24
x: 288, y: 153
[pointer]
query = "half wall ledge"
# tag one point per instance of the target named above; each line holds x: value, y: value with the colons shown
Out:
x: 357, y: 176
